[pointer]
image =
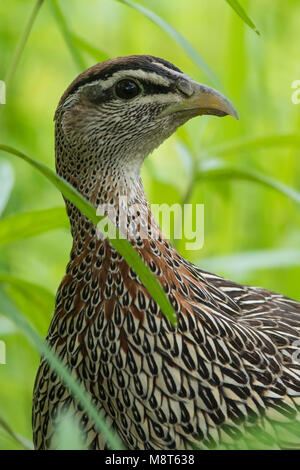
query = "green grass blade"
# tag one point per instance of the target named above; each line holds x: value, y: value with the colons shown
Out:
x: 22, y: 441
x: 121, y: 245
x: 235, y: 146
x: 242, y: 14
x: 6, y: 183
x: 93, y: 51
x: 11, y: 311
x: 62, y: 24
x: 251, y: 261
x: 178, y: 37
x: 210, y: 170
x: 40, y: 301
x: 22, y: 42
x: 28, y: 224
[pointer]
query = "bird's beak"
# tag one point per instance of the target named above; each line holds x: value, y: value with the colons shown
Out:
x: 201, y: 99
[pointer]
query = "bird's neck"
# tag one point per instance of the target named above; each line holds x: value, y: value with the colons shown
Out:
x: 112, y: 185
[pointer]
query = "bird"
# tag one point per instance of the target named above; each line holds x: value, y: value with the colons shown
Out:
x: 228, y: 370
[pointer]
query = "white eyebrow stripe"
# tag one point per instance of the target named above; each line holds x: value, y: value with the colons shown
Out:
x: 175, y: 72
x: 138, y: 74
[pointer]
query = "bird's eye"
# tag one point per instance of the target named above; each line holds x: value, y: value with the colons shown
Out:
x: 127, y: 89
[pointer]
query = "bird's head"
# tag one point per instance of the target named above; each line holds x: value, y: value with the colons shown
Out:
x: 118, y: 111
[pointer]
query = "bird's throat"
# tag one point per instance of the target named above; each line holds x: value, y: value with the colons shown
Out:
x: 119, y: 196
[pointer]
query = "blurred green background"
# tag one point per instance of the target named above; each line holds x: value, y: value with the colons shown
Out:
x: 251, y: 231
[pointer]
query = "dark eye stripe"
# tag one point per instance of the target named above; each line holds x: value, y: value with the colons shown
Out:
x: 97, y: 96
x: 151, y: 88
